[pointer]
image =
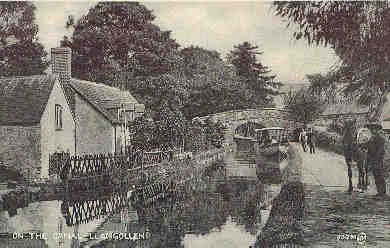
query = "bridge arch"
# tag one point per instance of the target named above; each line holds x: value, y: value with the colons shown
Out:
x: 267, y: 117
x: 247, y: 129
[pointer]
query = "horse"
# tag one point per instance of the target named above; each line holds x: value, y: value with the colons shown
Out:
x: 355, y: 150
x: 360, y: 157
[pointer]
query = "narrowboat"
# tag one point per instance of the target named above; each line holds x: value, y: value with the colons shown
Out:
x: 271, y: 151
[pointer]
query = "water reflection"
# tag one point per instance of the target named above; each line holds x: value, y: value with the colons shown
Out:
x: 222, y: 204
x: 224, y: 207
x: 83, y: 210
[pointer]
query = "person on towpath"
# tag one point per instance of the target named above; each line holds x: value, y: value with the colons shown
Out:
x: 303, y: 139
x: 375, y: 154
x: 348, y: 140
x: 310, y: 140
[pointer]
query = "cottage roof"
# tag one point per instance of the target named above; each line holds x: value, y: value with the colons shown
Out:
x: 103, y: 97
x: 386, y: 124
x: 348, y: 108
x: 23, y: 99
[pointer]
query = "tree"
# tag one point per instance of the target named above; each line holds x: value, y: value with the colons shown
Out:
x: 254, y: 74
x: 212, y: 85
x: 360, y: 35
x: 303, y: 105
x: 163, y: 96
x: 144, y: 133
x: 172, y: 127
x: 120, y: 36
x: 199, y: 61
x: 323, y: 86
x: 20, y: 52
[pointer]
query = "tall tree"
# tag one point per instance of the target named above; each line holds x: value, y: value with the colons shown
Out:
x: 253, y: 74
x: 304, y: 106
x: 117, y: 36
x: 323, y: 86
x: 212, y: 85
x: 20, y: 52
x: 360, y: 35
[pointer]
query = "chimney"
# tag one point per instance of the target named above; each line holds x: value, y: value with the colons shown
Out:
x: 61, y: 62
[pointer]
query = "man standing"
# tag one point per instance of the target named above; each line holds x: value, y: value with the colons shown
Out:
x: 375, y: 154
x: 348, y: 139
x: 310, y: 140
x: 303, y: 139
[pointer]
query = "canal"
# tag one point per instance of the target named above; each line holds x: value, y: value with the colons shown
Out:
x: 226, y: 207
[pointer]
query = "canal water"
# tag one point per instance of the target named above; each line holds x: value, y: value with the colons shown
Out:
x: 220, y: 209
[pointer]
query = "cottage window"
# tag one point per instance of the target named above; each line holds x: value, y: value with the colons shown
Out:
x: 58, y: 116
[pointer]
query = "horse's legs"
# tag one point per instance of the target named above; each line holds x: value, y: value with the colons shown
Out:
x: 365, y: 174
x: 361, y: 174
x: 350, y: 188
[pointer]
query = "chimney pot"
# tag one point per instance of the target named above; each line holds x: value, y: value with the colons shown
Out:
x: 61, y: 60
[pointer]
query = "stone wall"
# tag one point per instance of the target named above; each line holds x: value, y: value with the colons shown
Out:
x: 20, y: 149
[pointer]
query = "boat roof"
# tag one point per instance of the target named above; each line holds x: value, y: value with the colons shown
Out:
x: 269, y: 128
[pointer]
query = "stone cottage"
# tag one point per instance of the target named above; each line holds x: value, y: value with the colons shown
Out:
x: 43, y: 114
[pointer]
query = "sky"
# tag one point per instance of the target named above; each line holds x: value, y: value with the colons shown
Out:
x: 218, y: 26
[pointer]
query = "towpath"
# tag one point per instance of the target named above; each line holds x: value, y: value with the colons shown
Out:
x: 334, y: 218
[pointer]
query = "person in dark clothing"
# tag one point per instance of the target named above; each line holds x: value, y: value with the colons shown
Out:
x: 348, y: 139
x: 375, y: 154
x: 310, y: 141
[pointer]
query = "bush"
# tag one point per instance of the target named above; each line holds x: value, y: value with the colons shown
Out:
x: 330, y: 141
x: 10, y: 174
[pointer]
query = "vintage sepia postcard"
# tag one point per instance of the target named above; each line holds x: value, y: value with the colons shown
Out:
x: 204, y: 124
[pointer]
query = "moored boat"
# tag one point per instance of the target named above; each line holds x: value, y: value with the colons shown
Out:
x: 271, y: 150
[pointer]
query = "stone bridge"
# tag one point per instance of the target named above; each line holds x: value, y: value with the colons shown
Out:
x: 242, y: 123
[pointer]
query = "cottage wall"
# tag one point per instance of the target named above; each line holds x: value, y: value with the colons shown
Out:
x: 20, y: 148
x: 53, y: 139
x: 94, y: 133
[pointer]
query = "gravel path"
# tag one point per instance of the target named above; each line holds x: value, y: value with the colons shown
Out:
x: 334, y: 218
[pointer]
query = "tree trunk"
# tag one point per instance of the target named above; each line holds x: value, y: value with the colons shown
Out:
x: 378, y: 109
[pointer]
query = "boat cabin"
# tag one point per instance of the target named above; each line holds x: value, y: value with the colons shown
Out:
x: 271, y: 135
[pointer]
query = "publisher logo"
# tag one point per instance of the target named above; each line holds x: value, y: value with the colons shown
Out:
x: 360, y: 238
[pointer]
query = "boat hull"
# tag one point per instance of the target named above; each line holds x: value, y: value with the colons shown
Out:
x: 268, y: 161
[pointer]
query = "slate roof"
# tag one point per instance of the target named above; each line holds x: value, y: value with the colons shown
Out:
x: 23, y: 99
x: 337, y: 109
x: 386, y: 124
x: 103, y: 97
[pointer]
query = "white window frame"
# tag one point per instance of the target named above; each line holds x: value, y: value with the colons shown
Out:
x: 58, y: 117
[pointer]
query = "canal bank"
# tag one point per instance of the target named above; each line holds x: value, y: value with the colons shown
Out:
x: 320, y: 211
x: 217, y: 206
x: 20, y: 196
x: 284, y: 224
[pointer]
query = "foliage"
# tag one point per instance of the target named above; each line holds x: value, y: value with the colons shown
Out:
x: 329, y: 141
x: 20, y: 52
x: 120, y: 35
x: 204, y: 135
x: 172, y: 127
x: 212, y: 85
x: 143, y: 129
x: 214, y: 133
x: 253, y: 74
x: 200, y: 61
x: 154, y: 92
x: 172, y: 131
x: 360, y: 35
x: 323, y: 86
x: 304, y: 106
